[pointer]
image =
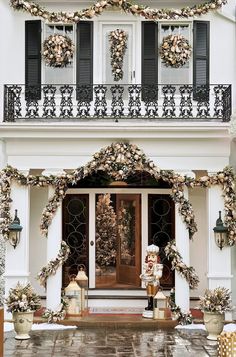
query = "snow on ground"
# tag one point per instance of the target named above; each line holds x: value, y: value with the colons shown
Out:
x: 8, y: 326
x: 227, y: 327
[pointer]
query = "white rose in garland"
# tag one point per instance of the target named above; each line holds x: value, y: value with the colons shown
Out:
x: 118, y: 41
x: 175, y: 51
x: 58, y: 50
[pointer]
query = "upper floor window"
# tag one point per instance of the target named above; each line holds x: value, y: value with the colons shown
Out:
x: 171, y: 75
x: 65, y: 75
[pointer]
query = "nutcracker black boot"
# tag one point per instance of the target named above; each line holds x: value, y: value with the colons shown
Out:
x: 150, y: 303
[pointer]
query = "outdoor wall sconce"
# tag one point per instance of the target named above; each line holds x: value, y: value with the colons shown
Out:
x: 221, y: 233
x: 14, y: 231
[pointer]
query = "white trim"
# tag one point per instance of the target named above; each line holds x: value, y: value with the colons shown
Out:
x: 117, y: 292
x: 15, y: 274
x: 103, y: 129
x: 92, y: 238
x: 217, y: 276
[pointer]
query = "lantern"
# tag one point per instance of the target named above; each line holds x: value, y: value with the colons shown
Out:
x: 159, y: 305
x: 73, y: 293
x: 82, y: 280
x: 221, y: 233
x: 14, y: 231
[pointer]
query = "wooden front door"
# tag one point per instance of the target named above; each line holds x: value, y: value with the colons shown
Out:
x: 129, y: 239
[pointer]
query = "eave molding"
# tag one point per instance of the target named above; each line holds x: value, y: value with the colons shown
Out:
x: 115, y: 130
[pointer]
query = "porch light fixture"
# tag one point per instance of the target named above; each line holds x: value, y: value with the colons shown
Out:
x: 221, y: 233
x: 14, y: 231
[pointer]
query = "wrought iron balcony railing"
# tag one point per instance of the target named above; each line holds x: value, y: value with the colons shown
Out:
x: 134, y: 101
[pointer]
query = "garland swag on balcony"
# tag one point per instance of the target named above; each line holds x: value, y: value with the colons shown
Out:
x: 127, y: 6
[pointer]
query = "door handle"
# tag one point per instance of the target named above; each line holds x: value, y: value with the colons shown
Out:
x: 92, y: 243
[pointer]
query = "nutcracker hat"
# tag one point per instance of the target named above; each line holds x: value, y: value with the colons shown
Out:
x: 153, y: 249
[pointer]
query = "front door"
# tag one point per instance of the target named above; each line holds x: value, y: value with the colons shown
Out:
x: 128, y: 239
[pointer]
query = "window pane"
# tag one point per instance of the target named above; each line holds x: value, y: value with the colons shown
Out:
x: 59, y: 75
x: 170, y: 75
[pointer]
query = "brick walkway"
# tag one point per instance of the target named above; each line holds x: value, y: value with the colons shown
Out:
x: 111, y: 342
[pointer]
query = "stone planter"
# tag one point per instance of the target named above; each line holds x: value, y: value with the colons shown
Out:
x: 214, y: 322
x: 22, y: 324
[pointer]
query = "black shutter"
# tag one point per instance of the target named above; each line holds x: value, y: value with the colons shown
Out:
x: 33, y: 59
x: 201, y: 32
x: 149, y: 60
x: 84, y: 75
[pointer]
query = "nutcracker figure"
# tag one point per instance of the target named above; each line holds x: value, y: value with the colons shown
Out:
x: 151, y: 276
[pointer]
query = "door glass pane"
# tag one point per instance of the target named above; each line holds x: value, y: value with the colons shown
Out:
x: 75, y: 234
x: 161, y: 231
x: 126, y: 232
x: 117, y: 248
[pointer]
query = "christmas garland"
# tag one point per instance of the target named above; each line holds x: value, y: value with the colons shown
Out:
x: 177, y: 263
x: 53, y: 265
x: 118, y: 43
x: 175, y: 51
x: 58, y: 50
x: 184, y: 318
x: 119, y: 160
x: 58, y: 315
x: 127, y: 6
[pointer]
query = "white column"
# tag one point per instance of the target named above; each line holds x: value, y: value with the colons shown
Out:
x: 17, y: 260
x: 182, y: 294
x: 92, y: 240
x: 219, y: 261
x: 3, y: 158
x: 144, y: 227
x: 54, y: 282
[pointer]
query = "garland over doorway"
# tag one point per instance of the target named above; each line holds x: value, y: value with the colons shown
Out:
x: 127, y: 6
x: 119, y: 160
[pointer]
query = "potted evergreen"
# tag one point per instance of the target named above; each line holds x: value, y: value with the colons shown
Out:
x: 22, y: 302
x: 214, y: 303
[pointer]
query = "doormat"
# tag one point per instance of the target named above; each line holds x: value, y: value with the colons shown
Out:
x: 116, y: 310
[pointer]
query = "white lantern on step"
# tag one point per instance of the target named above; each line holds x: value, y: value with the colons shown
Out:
x: 73, y: 294
x: 82, y: 280
x: 159, y: 305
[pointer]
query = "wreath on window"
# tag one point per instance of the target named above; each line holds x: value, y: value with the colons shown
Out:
x: 118, y: 46
x: 175, y: 51
x: 58, y: 50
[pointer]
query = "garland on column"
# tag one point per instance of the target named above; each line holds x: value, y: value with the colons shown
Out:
x: 127, y: 6
x: 53, y: 265
x: 177, y: 263
x: 58, y: 315
x: 184, y: 318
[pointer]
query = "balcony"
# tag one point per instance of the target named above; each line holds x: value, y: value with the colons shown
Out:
x: 117, y: 102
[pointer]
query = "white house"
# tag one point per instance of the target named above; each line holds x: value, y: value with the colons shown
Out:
x: 54, y: 119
